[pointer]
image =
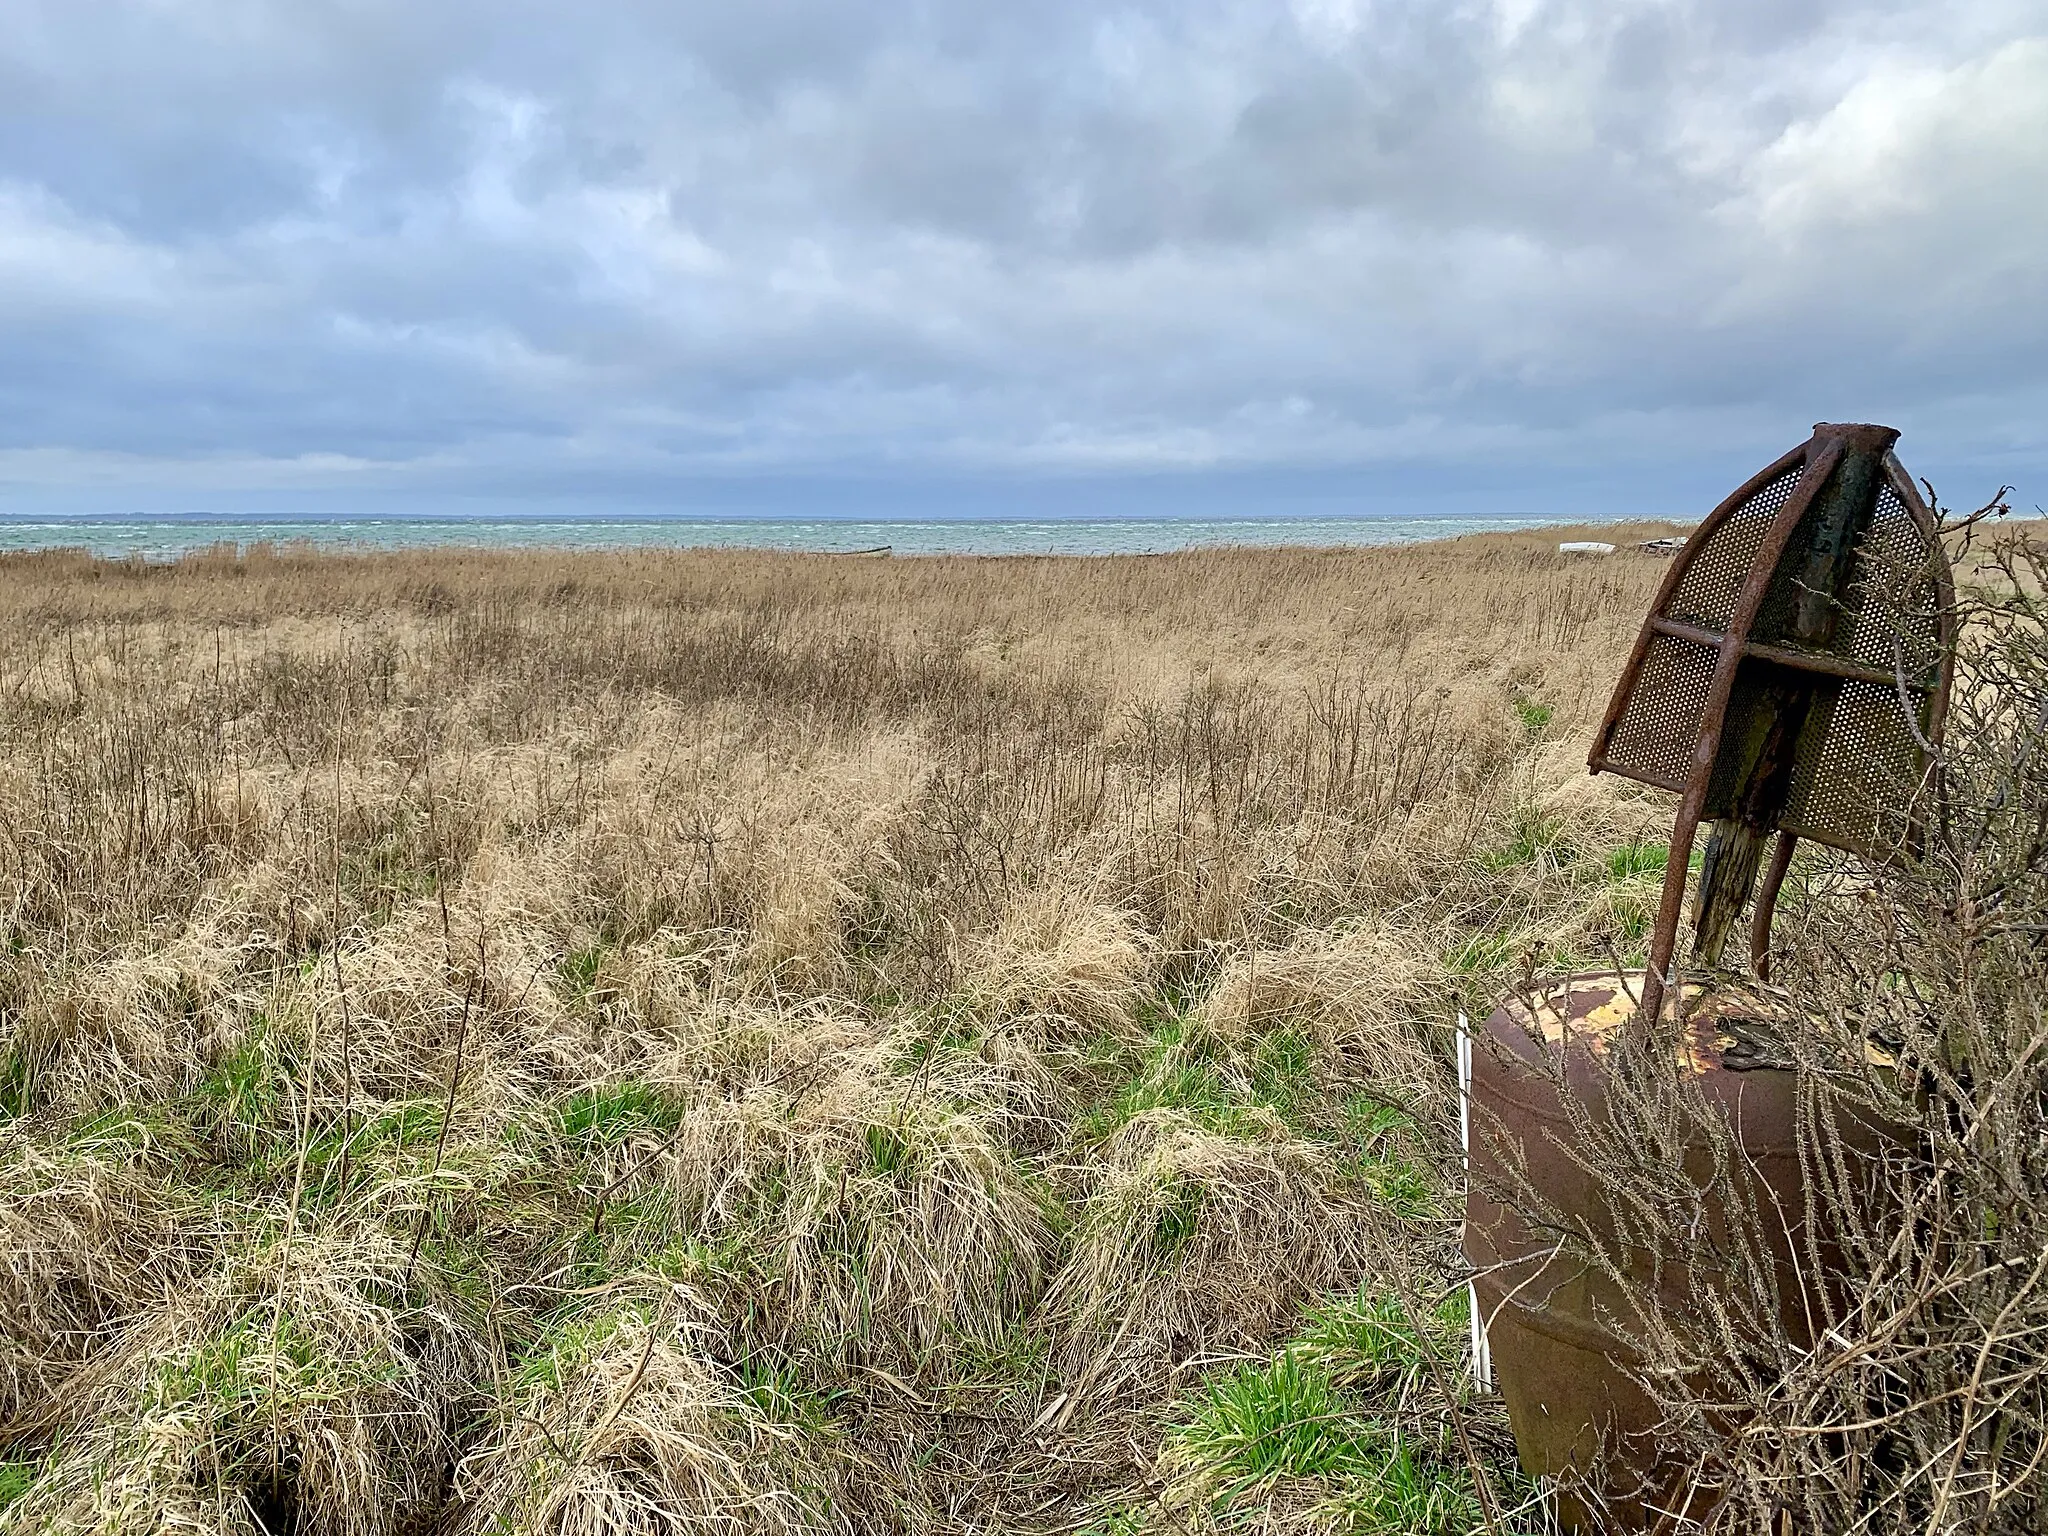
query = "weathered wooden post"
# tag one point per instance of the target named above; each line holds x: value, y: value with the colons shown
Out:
x: 1785, y: 682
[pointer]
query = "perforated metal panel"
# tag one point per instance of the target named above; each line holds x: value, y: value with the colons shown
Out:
x: 1706, y: 596
x: 1891, y: 592
x: 1863, y: 750
x: 1655, y: 738
x: 1894, y: 598
x: 1750, y: 703
x: 1856, y: 758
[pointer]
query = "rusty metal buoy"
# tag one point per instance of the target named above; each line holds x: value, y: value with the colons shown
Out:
x: 1792, y: 673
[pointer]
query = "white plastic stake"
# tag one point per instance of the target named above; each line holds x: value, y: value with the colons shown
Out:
x: 1482, y: 1357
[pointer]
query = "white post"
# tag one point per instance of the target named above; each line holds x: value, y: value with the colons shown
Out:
x: 1482, y: 1358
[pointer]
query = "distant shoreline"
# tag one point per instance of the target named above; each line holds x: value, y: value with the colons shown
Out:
x: 175, y: 536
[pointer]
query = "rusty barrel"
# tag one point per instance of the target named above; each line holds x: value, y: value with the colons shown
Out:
x: 1579, y: 1416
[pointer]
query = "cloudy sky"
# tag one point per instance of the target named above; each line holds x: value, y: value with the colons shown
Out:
x: 1240, y: 256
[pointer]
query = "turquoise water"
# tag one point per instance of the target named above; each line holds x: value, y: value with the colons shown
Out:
x: 164, y: 538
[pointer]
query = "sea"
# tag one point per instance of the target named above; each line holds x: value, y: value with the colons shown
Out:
x: 166, y: 537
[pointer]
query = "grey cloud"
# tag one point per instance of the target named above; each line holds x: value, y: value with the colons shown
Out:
x: 629, y: 248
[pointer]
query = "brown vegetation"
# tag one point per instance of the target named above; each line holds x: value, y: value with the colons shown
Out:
x: 645, y: 1042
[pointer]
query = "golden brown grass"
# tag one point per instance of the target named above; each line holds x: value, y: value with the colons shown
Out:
x: 657, y: 1042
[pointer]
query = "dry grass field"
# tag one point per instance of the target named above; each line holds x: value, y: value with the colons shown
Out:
x: 735, y: 1042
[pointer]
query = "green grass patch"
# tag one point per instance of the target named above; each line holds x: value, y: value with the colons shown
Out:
x: 573, y: 1338
x: 610, y: 1114
x: 1535, y: 716
x: 1406, y: 1495
x: 639, y: 1232
x: 1231, y: 1097
x: 395, y: 1127
x: 1281, y: 1419
x: 1368, y: 1336
x: 16, y: 1478
x: 1535, y: 836
x: 1121, y: 1520
x: 691, y: 1258
x: 1632, y: 921
x: 1398, y: 1184
x: 259, y: 1364
x: 1020, y: 1359
x: 17, y: 1083
x: 1370, y: 1123
x: 889, y: 1149
x: 1320, y: 1410
x: 1483, y: 953
x: 461, y: 1265
x: 388, y: 869
x: 1487, y: 956
x: 1637, y: 858
x: 1179, y: 1218
x: 1374, y: 1133
x: 241, y: 1091
x: 123, y: 1130
x: 580, y: 968
x: 1196, y: 1089
x: 1283, y: 1070
x: 777, y: 1391
x: 954, y: 1032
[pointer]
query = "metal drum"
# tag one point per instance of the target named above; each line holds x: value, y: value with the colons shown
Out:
x: 1579, y: 1416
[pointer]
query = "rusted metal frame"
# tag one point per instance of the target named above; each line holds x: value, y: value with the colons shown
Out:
x: 1640, y: 775
x: 1822, y: 835
x: 1825, y: 454
x: 1655, y: 781
x: 1617, y: 706
x: 1807, y: 661
x: 1767, y: 904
